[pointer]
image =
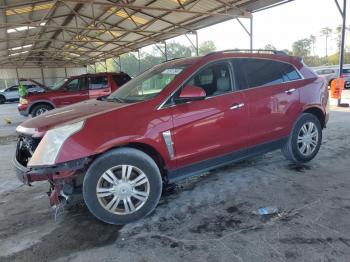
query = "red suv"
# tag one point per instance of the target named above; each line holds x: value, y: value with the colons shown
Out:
x: 71, y: 90
x: 174, y: 121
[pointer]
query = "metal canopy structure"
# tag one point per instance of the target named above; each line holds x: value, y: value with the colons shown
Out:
x: 63, y: 33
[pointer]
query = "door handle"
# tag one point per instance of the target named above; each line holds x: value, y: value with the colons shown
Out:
x: 289, y: 91
x: 237, y: 106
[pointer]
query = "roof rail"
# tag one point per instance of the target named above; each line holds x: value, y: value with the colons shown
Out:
x: 259, y: 51
x: 176, y: 58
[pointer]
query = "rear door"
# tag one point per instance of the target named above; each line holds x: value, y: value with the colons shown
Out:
x: 74, y: 91
x: 212, y: 127
x: 98, y: 86
x: 272, y: 93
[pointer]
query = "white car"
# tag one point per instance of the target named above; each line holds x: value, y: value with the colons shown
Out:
x: 11, y: 93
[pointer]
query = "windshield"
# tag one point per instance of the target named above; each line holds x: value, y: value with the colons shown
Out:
x: 58, y: 84
x: 147, y: 85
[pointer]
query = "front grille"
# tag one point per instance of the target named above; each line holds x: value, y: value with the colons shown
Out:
x: 26, y: 146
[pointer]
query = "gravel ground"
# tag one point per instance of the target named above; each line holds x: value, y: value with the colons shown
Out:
x: 208, y: 218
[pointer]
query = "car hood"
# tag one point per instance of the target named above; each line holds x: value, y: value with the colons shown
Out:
x: 44, y: 93
x: 69, y: 114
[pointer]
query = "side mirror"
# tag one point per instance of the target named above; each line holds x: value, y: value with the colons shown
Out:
x: 191, y: 93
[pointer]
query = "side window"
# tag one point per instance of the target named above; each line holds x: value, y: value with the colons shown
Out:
x: 98, y: 82
x: 73, y: 85
x: 121, y: 79
x: 214, y: 79
x: 261, y: 72
x: 289, y: 72
x: 12, y: 89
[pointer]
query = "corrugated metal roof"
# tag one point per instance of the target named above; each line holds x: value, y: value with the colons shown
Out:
x: 81, y: 32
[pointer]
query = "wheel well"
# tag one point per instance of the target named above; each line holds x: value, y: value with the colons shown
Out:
x: 318, y: 113
x: 153, y: 153
x: 39, y: 103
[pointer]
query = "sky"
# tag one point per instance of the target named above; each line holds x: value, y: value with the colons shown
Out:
x: 279, y: 26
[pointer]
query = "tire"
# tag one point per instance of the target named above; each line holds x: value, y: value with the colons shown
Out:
x: 294, y: 150
x: 40, y: 109
x: 2, y: 99
x: 111, y: 166
x: 347, y: 85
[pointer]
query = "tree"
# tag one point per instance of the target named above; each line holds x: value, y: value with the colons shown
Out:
x: 326, y: 32
x: 130, y: 63
x: 313, y: 43
x: 288, y: 52
x: 269, y: 47
x: 176, y: 50
x: 206, y: 47
x: 302, y: 47
x: 338, y: 30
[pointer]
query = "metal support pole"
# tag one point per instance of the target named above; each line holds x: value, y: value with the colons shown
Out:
x: 166, y: 51
x: 106, y: 66
x: 120, y: 64
x: 17, y: 75
x: 138, y: 52
x: 251, y: 33
x: 65, y: 71
x: 197, y: 45
x: 42, y: 75
x: 342, y: 47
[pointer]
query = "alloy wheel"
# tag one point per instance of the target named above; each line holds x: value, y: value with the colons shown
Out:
x: 41, y: 111
x: 308, y: 139
x: 123, y: 189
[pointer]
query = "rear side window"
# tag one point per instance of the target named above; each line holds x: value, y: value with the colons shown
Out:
x: 263, y: 72
x: 289, y: 72
x: 121, y: 79
x: 98, y: 82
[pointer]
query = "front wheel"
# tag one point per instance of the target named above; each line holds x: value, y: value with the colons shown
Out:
x: 305, y: 140
x: 40, y: 109
x: 122, y: 186
x: 2, y: 99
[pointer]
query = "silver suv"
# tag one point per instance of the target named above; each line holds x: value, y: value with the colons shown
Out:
x: 11, y: 93
x: 331, y: 73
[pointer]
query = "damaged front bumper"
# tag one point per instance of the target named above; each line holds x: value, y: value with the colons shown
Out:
x: 62, y: 179
x: 61, y: 171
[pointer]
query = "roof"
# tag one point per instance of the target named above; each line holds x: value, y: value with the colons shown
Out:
x: 61, y: 33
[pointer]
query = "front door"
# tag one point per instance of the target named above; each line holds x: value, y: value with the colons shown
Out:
x: 72, y: 92
x: 212, y: 127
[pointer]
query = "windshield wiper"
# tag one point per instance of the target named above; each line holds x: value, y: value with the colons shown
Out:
x: 115, y: 99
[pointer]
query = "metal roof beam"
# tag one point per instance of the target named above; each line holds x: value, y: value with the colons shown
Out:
x: 152, y: 8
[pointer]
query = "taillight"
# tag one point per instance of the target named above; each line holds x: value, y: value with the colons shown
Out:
x: 344, y: 75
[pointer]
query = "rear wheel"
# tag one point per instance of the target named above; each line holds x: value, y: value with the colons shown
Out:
x: 122, y: 186
x: 40, y: 109
x: 305, y: 140
x: 2, y: 99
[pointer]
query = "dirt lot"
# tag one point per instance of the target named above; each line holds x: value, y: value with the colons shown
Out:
x: 210, y: 218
